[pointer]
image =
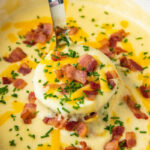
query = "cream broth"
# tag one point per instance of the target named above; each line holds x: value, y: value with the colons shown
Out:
x: 98, y: 19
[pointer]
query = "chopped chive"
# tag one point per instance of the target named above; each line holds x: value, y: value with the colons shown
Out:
x: 66, y: 110
x: 47, y: 133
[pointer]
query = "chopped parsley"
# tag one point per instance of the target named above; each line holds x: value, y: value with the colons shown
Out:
x: 125, y: 40
x: 93, y: 19
x: 106, y: 13
x: 14, y: 74
x: 16, y: 128
x: 73, y: 54
x: 105, y: 118
x: 86, y: 48
x: 109, y: 128
x: 12, y: 143
x: 32, y: 135
x: 143, y: 132
x: 13, y: 117
x: 100, y: 92
x: 138, y: 106
x: 4, y: 90
x: 14, y: 95
x: 47, y: 133
x: 56, y: 80
x: 74, y: 134
x: 102, y: 66
x: 139, y: 38
x: 50, y: 95
x: 66, y: 110
x: 2, y: 101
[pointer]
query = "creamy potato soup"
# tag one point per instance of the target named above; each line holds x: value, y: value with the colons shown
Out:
x: 92, y: 92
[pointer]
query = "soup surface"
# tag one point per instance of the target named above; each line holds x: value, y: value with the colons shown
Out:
x: 106, y: 26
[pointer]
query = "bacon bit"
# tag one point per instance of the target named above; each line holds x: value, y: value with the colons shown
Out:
x: 80, y: 127
x: 130, y: 64
x: 106, y: 50
x: 56, y: 56
x: 145, y: 91
x: 28, y: 113
x: 7, y: 80
x: 55, y: 121
x: 72, y: 30
x: 24, y: 69
x: 59, y: 73
x: 19, y: 83
x: 60, y: 30
x: 73, y: 74
x: 39, y: 35
x: 91, y: 115
x: 117, y: 50
x: 16, y: 55
x: 88, y: 62
x: 71, y: 125
x: 94, y: 86
x: 132, y: 106
x: 113, y: 144
x: 69, y: 71
x: 90, y: 94
x: 31, y: 97
x: 110, y: 76
x: 117, y: 132
x: 117, y: 37
x: 82, y: 143
x: 80, y: 76
x: 130, y: 139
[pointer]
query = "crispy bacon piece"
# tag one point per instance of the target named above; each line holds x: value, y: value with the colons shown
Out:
x: 29, y: 112
x: 88, y: 62
x: 117, y: 50
x: 39, y: 35
x: 94, y: 86
x: 113, y: 144
x: 132, y: 106
x: 130, y: 64
x: 83, y: 145
x: 19, y: 83
x: 55, y: 121
x: 117, y: 37
x: 91, y: 115
x: 130, y: 139
x: 71, y: 125
x: 24, y: 69
x: 106, y: 50
x: 80, y: 76
x: 31, y: 97
x: 60, y: 30
x: 78, y: 126
x: 56, y: 56
x: 16, y: 55
x: 72, y: 30
x: 90, y: 94
x: 72, y: 73
x: 145, y: 91
x: 110, y: 76
x: 7, y: 80
x: 59, y: 73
